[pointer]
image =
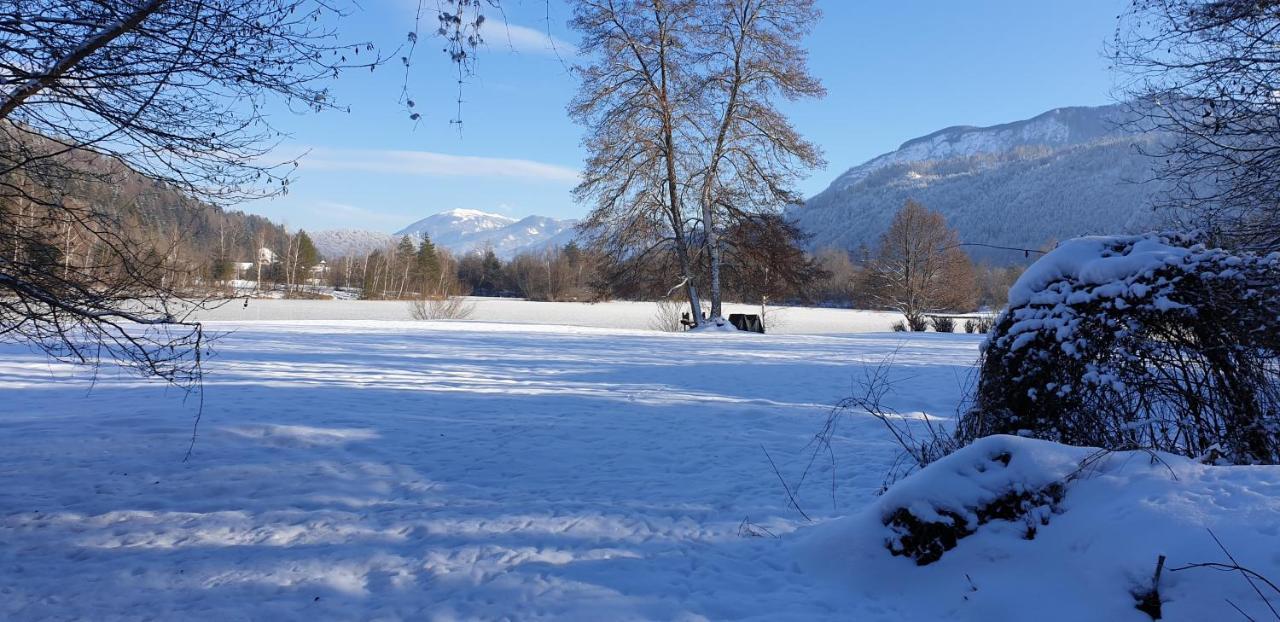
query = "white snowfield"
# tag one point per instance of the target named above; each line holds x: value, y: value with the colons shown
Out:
x: 361, y: 470
x: 616, y: 314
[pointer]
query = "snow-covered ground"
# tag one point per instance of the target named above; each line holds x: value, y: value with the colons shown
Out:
x: 418, y: 470
x: 617, y: 314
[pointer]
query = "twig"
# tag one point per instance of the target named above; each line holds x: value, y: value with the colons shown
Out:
x: 786, y: 488
x: 1234, y: 566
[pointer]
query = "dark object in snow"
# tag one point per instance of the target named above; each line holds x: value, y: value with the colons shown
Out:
x: 982, y: 324
x: 1138, y: 342
x: 1149, y: 601
x: 747, y: 322
x: 687, y: 323
x: 943, y: 323
x: 926, y: 539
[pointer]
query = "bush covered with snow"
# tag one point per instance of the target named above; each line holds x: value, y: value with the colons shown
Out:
x: 1150, y: 341
x: 985, y: 486
x: 1054, y: 532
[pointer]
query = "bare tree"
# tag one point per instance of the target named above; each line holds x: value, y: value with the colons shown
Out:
x: 753, y: 55
x: 96, y: 92
x: 634, y: 100
x: 173, y: 89
x: 920, y: 267
x: 680, y: 105
x: 1208, y: 72
x: 766, y: 261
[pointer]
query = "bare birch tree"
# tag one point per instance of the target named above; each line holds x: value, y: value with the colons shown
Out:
x: 634, y: 100
x: 679, y: 101
x: 753, y: 56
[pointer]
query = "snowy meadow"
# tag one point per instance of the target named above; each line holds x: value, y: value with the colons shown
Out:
x: 475, y: 470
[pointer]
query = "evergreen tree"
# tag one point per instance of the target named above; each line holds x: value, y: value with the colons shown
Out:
x: 308, y: 255
x: 405, y: 264
x: 427, y: 265
x: 492, y: 272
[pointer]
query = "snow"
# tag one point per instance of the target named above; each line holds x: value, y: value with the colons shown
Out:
x: 337, y: 243
x: 466, y: 230
x: 1060, y: 126
x: 479, y: 470
x: 1097, y: 260
x: 616, y: 314
x: 1120, y: 513
x: 388, y: 470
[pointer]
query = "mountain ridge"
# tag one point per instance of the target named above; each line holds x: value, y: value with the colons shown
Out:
x: 1066, y: 172
x: 458, y: 230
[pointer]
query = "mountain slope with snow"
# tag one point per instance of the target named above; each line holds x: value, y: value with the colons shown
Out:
x: 463, y: 230
x: 1061, y: 174
x: 335, y: 243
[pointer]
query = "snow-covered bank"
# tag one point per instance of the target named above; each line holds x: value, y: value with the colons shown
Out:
x: 617, y: 314
x: 1086, y: 556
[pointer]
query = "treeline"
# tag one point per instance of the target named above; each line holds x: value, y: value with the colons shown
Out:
x: 414, y: 268
x: 918, y: 267
x: 202, y: 249
x: 850, y: 283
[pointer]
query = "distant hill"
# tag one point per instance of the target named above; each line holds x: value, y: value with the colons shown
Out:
x: 1061, y: 174
x: 463, y: 230
x: 335, y: 243
x: 194, y: 236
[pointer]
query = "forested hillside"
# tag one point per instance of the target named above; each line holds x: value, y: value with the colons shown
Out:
x: 1057, y: 176
x: 197, y: 241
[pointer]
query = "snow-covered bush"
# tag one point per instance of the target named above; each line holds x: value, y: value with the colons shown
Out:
x: 1099, y: 523
x: 995, y: 479
x: 1150, y: 341
x: 943, y: 324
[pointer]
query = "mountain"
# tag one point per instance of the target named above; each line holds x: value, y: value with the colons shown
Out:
x: 1061, y: 174
x: 335, y: 243
x: 464, y: 230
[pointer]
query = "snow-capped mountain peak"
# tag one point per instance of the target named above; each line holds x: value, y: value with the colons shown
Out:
x: 1056, y: 128
x: 1060, y: 174
x: 464, y: 230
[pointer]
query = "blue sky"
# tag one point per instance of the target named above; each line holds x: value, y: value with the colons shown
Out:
x: 893, y: 71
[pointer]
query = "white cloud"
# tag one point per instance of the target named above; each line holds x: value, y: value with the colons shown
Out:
x: 431, y: 164
x: 505, y: 36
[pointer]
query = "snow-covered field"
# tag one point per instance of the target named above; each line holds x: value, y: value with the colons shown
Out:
x: 617, y: 314
x: 418, y: 470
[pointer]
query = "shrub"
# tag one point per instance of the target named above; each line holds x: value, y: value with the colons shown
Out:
x: 441, y: 308
x: 899, y: 327
x: 970, y: 326
x: 943, y: 324
x: 917, y: 323
x: 667, y: 315
x: 1152, y: 342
